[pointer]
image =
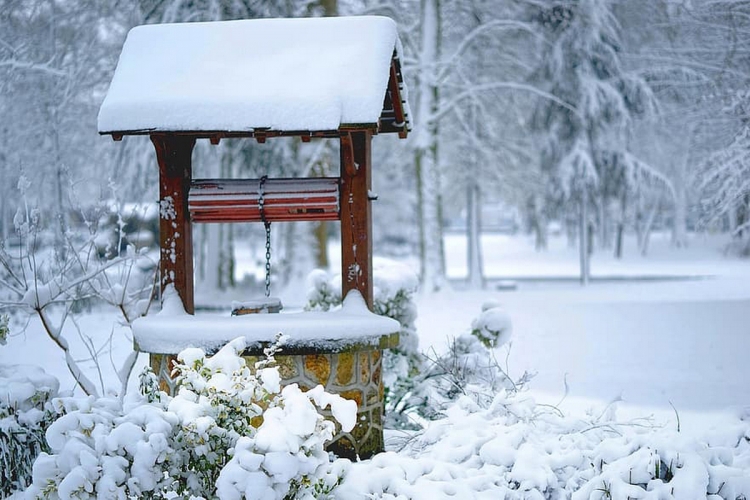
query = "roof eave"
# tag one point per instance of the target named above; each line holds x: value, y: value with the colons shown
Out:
x: 260, y: 134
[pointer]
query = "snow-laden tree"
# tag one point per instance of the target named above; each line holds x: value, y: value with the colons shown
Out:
x: 52, y: 77
x: 720, y: 170
x: 426, y: 159
x: 585, y: 152
x: 466, y: 64
x: 725, y: 179
x: 486, y: 154
x: 688, y: 54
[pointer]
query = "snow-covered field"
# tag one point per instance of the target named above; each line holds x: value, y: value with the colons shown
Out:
x: 652, y: 343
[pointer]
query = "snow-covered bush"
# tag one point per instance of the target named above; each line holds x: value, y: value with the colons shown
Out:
x: 419, y: 387
x: 468, y: 368
x: 230, y: 432
x: 394, y: 286
x: 515, y: 449
x: 57, y: 277
x: 493, y: 326
x: 25, y: 414
x: 4, y: 328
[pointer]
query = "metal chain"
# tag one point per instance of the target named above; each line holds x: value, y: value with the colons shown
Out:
x: 267, y: 224
x: 268, y: 258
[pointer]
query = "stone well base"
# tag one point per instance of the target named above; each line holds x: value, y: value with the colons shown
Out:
x: 353, y: 374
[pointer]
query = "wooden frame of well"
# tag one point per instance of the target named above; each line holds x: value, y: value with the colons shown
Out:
x: 354, y: 370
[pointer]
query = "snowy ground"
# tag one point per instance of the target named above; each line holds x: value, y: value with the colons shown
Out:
x: 649, y: 342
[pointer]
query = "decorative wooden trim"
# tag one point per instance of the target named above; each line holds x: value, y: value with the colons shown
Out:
x: 394, y: 86
x: 217, y: 135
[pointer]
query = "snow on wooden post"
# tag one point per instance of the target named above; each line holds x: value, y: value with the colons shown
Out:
x: 356, y: 214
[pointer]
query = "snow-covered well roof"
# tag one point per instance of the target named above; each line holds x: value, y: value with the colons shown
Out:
x: 283, y: 75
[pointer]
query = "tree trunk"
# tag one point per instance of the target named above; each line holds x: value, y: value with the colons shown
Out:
x: 620, y: 235
x: 680, y: 183
x: 646, y: 231
x: 5, y: 217
x: 432, y: 261
x: 731, y: 222
x: 320, y: 231
x: 212, y: 264
x: 473, y: 239
x: 603, y: 224
x: 330, y: 7
x: 583, y: 237
x: 538, y: 224
x: 679, y: 226
x: 639, y: 222
x: 589, y: 247
x: 474, y: 208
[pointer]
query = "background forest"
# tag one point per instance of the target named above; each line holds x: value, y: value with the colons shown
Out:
x: 588, y: 117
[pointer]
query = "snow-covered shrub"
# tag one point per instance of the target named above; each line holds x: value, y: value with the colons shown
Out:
x: 323, y: 292
x: 394, y: 286
x: 230, y: 432
x: 25, y: 414
x: 57, y: 277
x: 493, y: 326
x: 515, y: 449
x: 4, y: 328
x: 469, y: 367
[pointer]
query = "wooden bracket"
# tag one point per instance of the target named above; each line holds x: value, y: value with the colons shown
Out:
x: 348, y: 162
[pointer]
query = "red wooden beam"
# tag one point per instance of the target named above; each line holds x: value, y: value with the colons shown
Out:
x: 237, y: 200
x: 356, y: 214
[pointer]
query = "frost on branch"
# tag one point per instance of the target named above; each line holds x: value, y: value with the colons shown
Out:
x: 229, y: 432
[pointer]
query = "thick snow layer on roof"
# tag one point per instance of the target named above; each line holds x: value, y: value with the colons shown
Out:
x: 281, y: 74
x: 172, y: 330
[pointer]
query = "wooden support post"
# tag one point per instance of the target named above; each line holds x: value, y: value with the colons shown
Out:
x: 174, y: 154
x: 356, y: 214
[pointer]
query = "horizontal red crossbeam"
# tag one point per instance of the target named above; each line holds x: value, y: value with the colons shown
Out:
x: 238, y: 200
